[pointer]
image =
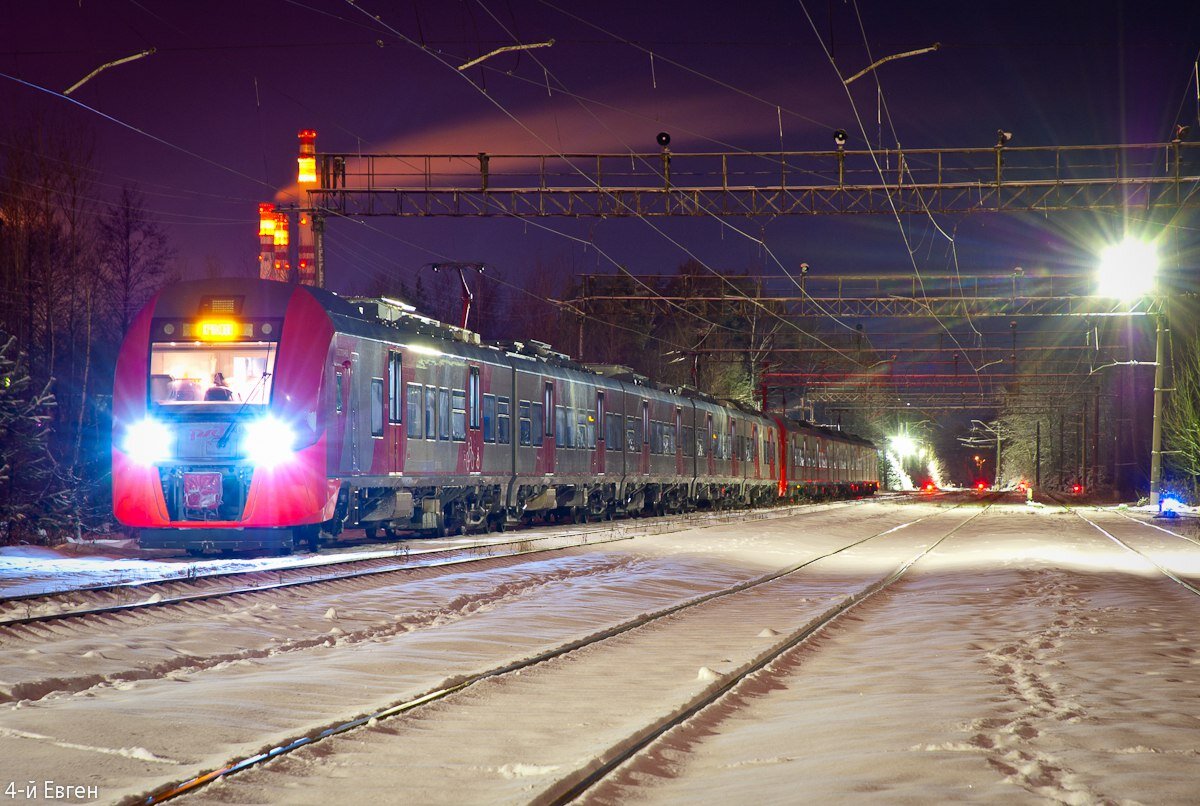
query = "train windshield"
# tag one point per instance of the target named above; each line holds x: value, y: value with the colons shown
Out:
x: 211, y: 374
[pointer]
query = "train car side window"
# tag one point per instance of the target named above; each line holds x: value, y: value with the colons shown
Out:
x: 414, y: 410
x: 688, y: 440
x: 632, y: 441
x: 525, y: 423
x: 473, y: 391
x: 395, y: 401
x: 430, y: 412
x: 340, y: 399
x: 443, y: 413
x: 548, y: 402
x: 458, y: 415
x: 503, y: 427
x: 489, y: 418
x: 561, y: 433
x: 537, y: 415
x: 612, y: 431
x: 377, y: 407
x: 585, y: 434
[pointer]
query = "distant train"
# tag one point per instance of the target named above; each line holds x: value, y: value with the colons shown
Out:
x: 251, y: 414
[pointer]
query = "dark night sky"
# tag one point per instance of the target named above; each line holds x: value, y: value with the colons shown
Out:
x: 233, y: 82
x: 1116, y: 72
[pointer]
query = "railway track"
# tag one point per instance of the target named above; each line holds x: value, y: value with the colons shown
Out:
x: 571, y: 785
x: 1189, y: 586
x: 78, y: 603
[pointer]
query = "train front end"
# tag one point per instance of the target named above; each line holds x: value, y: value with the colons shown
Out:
x: 218, y: 432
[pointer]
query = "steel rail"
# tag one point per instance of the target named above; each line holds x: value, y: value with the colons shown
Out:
x: 1166, y: 571
x: 174, y: 790
x: 622, y: 531
x: 575, y: 784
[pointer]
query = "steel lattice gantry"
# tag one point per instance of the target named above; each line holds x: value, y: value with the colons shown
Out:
x: 929, y: 369
x: 1001, y: 179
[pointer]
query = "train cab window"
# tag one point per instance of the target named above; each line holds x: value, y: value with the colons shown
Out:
x: 414, y: 411
x: 458, y: 415
x: 430, y: 412
x: 612, y: 432
x: 208, y: 374
x: 473, y: 392
x: 443, y: 414
x: 489, y: 418
x: 503, y: 421
x: 537, y: 414
x: 525, y: 423
x: 395, y: 401
x: 377, y: 407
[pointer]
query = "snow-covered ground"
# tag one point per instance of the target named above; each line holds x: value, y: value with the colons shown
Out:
x: 1028, y: 657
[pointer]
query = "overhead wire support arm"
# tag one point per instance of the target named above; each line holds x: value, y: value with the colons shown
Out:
x: 549, y: 43
x: 893, y: 57
x: 104, y: 67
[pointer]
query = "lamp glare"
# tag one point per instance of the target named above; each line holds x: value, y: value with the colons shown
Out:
x: 1127, y: 270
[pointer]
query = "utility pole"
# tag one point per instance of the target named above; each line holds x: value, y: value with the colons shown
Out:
x: 1156, y: 433
x: 1037, y: 456
x: 996, y: 483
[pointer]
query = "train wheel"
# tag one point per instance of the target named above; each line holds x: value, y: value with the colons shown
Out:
x: 372, y: 532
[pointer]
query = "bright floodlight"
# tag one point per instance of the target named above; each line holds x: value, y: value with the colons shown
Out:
x: 903, y: 445
x: 148, y: 442
x: 268, y: 442
x: 1127, y: 270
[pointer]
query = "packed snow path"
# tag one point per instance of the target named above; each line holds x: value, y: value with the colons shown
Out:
x: 1028, y: 655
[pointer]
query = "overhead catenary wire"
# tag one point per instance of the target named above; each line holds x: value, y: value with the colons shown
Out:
x: 761, y: 242
x: 504, y: 110
x: 879, y: 170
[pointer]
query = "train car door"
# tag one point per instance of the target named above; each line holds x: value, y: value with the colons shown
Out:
x: 548, y: 452
x: 356, y: 413
x: 598, y: 458
x: 678, y: 441
x: 474, y: 443
x: 340, y: 438
x: 644, y: 448
x: 754, y: 446
x: 710, y: 439
x: 395, y: 408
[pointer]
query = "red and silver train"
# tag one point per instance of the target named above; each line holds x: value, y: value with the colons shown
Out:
x: 251, y: 414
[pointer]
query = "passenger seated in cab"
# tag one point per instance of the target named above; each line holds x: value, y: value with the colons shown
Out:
x: 219, y: 390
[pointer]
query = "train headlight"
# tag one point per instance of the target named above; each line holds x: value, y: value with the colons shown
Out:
x: 269, y: 442
x: 147, y: 442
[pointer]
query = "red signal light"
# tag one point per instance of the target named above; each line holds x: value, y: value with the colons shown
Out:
x: 981, y: 485
x: 1078, y: 488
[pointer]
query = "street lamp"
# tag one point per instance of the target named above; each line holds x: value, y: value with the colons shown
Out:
x: 1127, y: 272
x: 903, y: 445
